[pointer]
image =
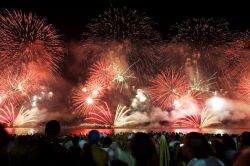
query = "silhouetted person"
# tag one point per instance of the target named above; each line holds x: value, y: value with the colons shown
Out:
x: 196, y: 149
x: 76, y: 153
x: 4, y: 142
x: 93, y: 154
x: 143, y: 150
x: 52, y: 129
x: 230, y: 152
x: 245, y: 140
x: 54, y: 152
x: 243, y: 159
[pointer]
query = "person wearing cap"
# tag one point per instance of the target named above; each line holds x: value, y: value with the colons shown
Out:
x: 99, y: 156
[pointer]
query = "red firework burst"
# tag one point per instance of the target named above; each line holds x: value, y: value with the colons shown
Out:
x: 243, y: 89
x: 87, y: 97
x: 103, y: 71
x: 100, y: 115
x: 17, y: 86
x: 167, y: 87
x: 7, y: 115
x: 25, y: 38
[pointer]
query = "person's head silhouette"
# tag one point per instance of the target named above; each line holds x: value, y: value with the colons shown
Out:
x: 52, y: 128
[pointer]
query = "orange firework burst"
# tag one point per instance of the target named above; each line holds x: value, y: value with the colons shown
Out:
x: 25, y: 38
x: 167, y: 87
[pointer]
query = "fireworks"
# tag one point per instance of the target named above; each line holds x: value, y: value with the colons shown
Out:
x: 208, y: 118
x: 243, y: 88
x: 167, y: 87
x: 86, y: 97
x: 188, y: 114
x: 110, y: 73
x: 100, y: 115
x: 17, y: 86
x: 27, y: 116
x: 103, y: 71
x: 7, y: 115
x: 103, y: 115
x: 135, y: 34
x: 122, y: 76
x: 121, y: 24
x: 121, y: 116
x: 197, y: 84
x: 24, y: 116
x: 26, y: 38
x: 242, y: 40
x: 202, y: 34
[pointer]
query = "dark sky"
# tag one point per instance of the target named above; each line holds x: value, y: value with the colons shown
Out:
x: 69, y: 17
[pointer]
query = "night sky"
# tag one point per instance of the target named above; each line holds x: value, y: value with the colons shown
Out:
x: 70, y: 17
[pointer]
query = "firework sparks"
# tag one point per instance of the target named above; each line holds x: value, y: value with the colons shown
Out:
x: 103, y: 71
x: 188, y: 114
x: 103, y: 115
x: 121, y: 116
x: 24, y: 116
x: 167, y: 87
x: 86, y: 97
x: 243, y: 88
x: 197, y: 84
x: 122, y: 23
x: 109, y: 73
x: 122, y: 76
x: 17, y: 86
x: 7, y: 115
x: 135, y: 34
x: 202, y: 34
x: 100, y: 115
x: 208, y: 118
x: 27, y: 116
x: 25, y: 38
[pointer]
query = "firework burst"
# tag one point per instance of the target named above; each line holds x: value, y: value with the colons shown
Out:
x: 135, y: 34
x: 202, y: 34
x: 208, y: 118
x: 122, y: 117
x: 122, y: 76
x: 26, y: 37
x: 7, y: 115
x: 87, y: 97
x: 243, y: 88
x: 23, y: 117
x: 100, y: 115
x: 17, y: 86
x: 103, y: 71
x: 188, y: 114
x: 122, y: 23
x: 167, y: 87
x: 197, y: 84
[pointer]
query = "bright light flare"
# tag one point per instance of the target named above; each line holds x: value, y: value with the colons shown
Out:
x: 140, y: 95
x: 89, y: 100
x: 216, y: 103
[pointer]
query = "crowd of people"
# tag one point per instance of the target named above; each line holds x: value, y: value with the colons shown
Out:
x: 126, y: 149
